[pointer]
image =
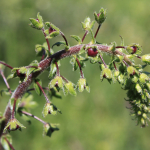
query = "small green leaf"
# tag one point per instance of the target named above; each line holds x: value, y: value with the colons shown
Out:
x: 29, y: 71
x: 49, y: 129
x: 81, y: 84
x: 57, y: 81
x: 52, y: 35
x: 23, y: 70
x: 77, y: 38
x: 34, y: 63
x: 59, y: 43
x: 36, y: 24
x: 70, y: 87
x: 143, y: 78
x: 48, y: 24
x: 146, y: 59
x: 39, y: 18
x: 138, y: 88
x: 37, y: 88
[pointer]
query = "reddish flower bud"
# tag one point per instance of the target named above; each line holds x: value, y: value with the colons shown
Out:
x: 92, y: 52
x: 51, y: 30
x: 98, y: 14
x: 134, y: 49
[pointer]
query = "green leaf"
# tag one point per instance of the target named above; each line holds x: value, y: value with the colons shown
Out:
x: 52, y: 35
x: 49, y: 129
x: 35, y: 24
x: 23, y: 70
x: 81, y: 84
x: 57, y: 81
x: 138, y: 88
x: 39, y: 18
x: 5, y: 143
x: 29, y: 71
x: 59, y: 43
x: 70, y: 87
x: 2, y: 67
x: 11, y: 76
x: 77, y: 38
x: 143, y: 78
x: 74, y: 63
x: 34, y: 63
x: 48, y: 24
x: 37, y: 88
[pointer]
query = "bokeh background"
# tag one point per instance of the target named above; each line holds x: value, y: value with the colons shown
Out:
x: 95, y: 121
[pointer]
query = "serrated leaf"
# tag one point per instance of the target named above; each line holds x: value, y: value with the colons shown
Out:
x: 35, y: 24
x: 37, y: 88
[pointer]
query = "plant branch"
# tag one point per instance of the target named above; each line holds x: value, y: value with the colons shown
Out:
x: 10, y: 145
x: 80, y: 68
x: 35, y: 117
x: 97, y: 30
x: 6, y: 65
x: 22, y: 88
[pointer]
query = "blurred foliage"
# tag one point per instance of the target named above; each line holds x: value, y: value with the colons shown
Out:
x: 98, y: 120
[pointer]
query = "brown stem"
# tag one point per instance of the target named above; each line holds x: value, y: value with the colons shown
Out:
x: 97, y: 30
x: 64, y: 79
x: 125, y: 63
x: 35, y: 117
x: 5, y: 80
x: 47, y: 100
x: 80, y: 68
x: 62, y: 34
x: 22, y: 88
x: 10, y: 145
x: 6, y: 65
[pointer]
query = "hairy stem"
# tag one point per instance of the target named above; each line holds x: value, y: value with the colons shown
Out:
x: 22, y: 87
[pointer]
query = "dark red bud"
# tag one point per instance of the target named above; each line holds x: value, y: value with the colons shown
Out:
x: 92, y: 52
x: 51, y: 30
x: 37, y: 20
x: 134, y: 49
x: 104, y: 76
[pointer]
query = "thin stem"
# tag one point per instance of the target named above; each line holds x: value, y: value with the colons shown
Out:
x: 35, y: 117
x: 80, y: 68
x: 5, y: 80
x: 125, y: 63
x: 97, y: 30
x: 115, y: 66
x: 47, y: 100
x: 62, y: 34
x: 46, y: 39
x: 103, y: 60
x: 10, y: 145
x: 86, y: 32
x: 64, y: 79
x: 58, y: 73
x: 139, y: 57
x: 6, y: 65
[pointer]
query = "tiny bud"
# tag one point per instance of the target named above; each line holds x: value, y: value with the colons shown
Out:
x: 139, y: 113
x: 51, y: 30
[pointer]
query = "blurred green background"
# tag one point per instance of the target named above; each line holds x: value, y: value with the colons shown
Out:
x: 95, y: 121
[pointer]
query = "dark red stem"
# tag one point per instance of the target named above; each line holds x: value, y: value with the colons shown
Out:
x: 47, y: 100
x: 62, y: 34
x: 97, y: 30
x: 120, y: 47
x: 86, y: 32
x: 6, y: 65
x: 80, y: 68
x: 64, y: 79
x: 103, y: 60
x: 10, y: 145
